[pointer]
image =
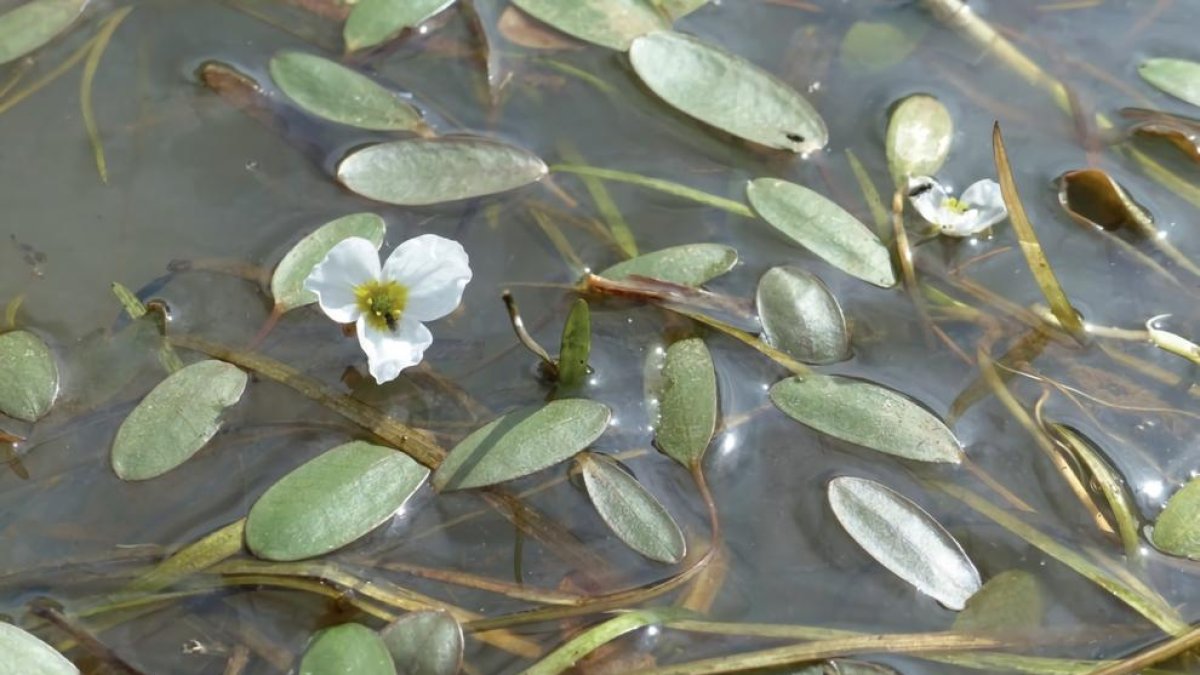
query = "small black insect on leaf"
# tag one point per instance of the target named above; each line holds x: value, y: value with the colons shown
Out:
x: 920, y: 189
x: 795, y: 138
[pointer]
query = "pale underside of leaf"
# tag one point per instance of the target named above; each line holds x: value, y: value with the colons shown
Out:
x: 919, y: 134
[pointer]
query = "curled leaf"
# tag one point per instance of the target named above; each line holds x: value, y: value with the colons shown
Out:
x: 425, y: 643
x: 686, y: 265
x: 919, y: 134
x: 1091, y: 197
x: 608, y: 23
x: 687, y: 402
x: 1182, y: 132
x: 633, y: 514
x: 28, y: 376
x: 287, y: 282
x: 801, y: 317
x: 334, y: 92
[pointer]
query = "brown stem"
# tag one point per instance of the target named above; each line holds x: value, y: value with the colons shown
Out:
x: 83, y: 636
x: 1153, y: 655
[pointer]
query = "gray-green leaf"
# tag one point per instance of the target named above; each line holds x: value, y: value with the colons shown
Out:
x: 1178, y: 77
x: 33, y: 24
x: 632, y: 513
x: 726, y: 91
x: 822, y: 227
x: 347, y: 648
x: 1177, y: 530
x: 175, y: 419
x: 608, y: 23
x: 373, y: 22
x: 331, y: 501
x: 287, y: 283
x: 872, y: 46
x: 686, y: 265
x: 24, y: 654
x: 687, y: 403
x: 425, y: 643
x: 576, y: 346
x: 429, y: 171
x: 801, y: 317
x: 918, y: 138
x: 1010, y: 601
x: 520, y: 443
x: 867, y: 414
x: 334, y: 92
x: 902, y: 537
x: 28, y: 376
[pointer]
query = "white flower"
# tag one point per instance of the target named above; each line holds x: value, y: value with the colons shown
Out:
x: 981, y: 206
x: 422, y: 280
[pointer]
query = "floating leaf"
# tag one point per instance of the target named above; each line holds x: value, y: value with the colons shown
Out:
x: 425, y: 643
x: 687, y: 403
x: 175, y: 419
x: 374, y: 22
x: 576, y: 346
x: 632, y: 513
x: 520, y: 443
x: 348, y: 648
x: 1092, y: 197
x: 918, y: 138
x: 905, y: 539
x: 22, y: 653
x: 1009, y: 602
x: 677, y: 9
x: 33, y: 24
x: 801, y: 317
x: 867, y: 414
x: 873, y: 46
x: 331, y: 501
x: 727, y: 92
x: 608, y: 23
x: 334, y: 92
x: 1182, y: 132
x: 822, y: 227
x: 686, y: 265
x: 429, y: 171
x: 287, y: 282
x: 28, y: 376
x: 1178, y: 77
x: 1177, y: 530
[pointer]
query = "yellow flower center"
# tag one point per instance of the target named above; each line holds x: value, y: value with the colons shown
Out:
x: 382, y: 302
x: 955, y: 205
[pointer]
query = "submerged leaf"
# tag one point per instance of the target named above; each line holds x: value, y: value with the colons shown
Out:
x: 686, y: 265
x: 331, y: 501
x: 1096, y: 473
x: 1012, y: 601
x: 1178, y: 77
x: 866, y: 414
x: 608, y: 23
x: 1177, y: 530
x: 348, y: 648
x: 334, y: 92
x: 632, y: 513
x: 287, y: 282
x: 175, y: 419
x: 520, y: 443
x: 425, y: 643
x: 677, y: 9
x: 873, y: 46
x: 822, y: 227
x: 22, y: 653
x: 726, y: 91
x: 429, y: 171
x: 801, y: 317
x: 902, y: 537
x: 687, y: 403
x: 31, y: 25
x: 28, y: 376
x: 373, y: 22
x: 918, y: 138
x: 576, y: 346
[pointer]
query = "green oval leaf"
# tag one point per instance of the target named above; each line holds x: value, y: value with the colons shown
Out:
x: 727, y: 92
x: 630, y: 511
x: 374, y: 22
x: 918, y: 138
x: 867, y: 414
x: 576, y: 346
x: 608, y: 23
x: 33, y: 24
x: 520, y: 443
x: 822, y: 227
x: 331, y: 501
x: 1177, y: 530
x: 348, y: 648
x: 334, y: 92
x: 902, y: 537
x: 24, y: 654
x: 686, y: 265
x: 1178, y: 77
x: 872, y: 46
x: 801, y: 317
x: 687, y: 403
x: 28, y: 376
x: 287, y: 282
x: 1011, y: 601
x: 175, y: 419
x: 425, y: 643
x: 429, y: 171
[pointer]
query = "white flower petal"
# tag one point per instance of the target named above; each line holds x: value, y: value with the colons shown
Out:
x: 985, y: 195
x: 349, y: 263
x: 391, y: 351
x: 435, y: 270
x: 929, y: 201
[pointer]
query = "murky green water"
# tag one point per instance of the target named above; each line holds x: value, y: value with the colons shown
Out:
x: 203, y: 199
